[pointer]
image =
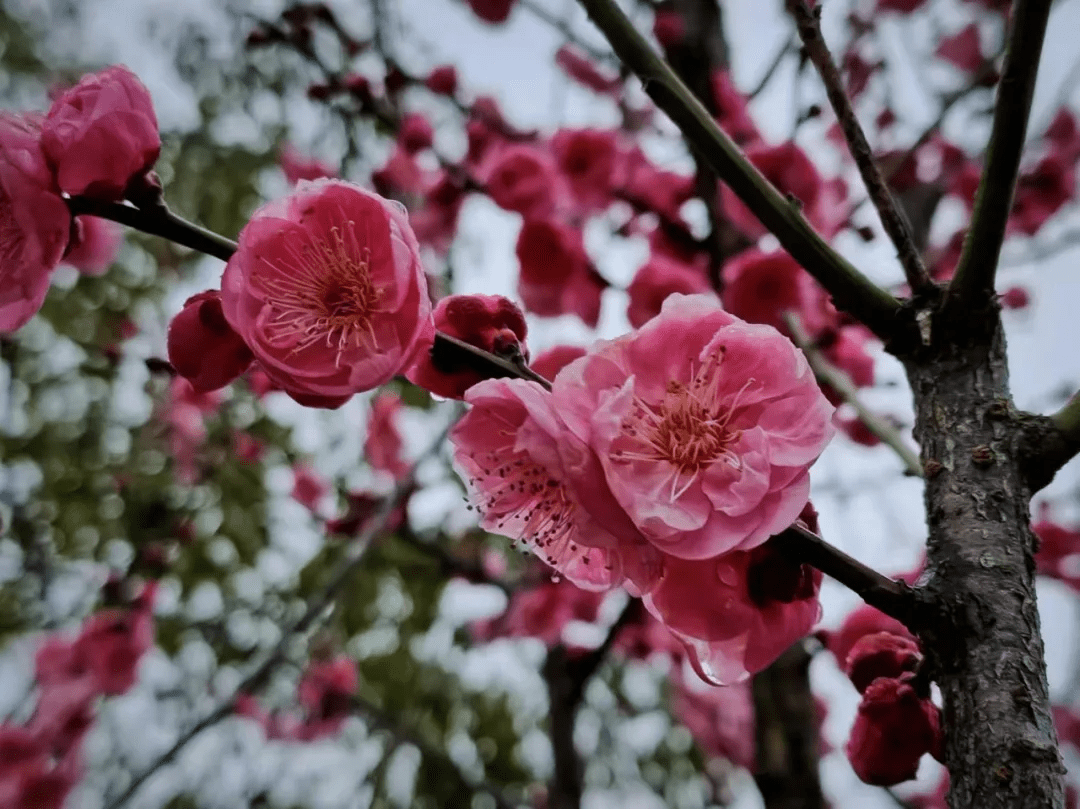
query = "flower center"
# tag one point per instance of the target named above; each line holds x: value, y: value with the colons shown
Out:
x: 324, y: 292
x: 688, y: 428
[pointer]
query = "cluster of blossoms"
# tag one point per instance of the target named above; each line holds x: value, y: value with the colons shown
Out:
x: 98, y: 140
x: 41, y: 760
x: 664, y: 461
x: 897, y: 724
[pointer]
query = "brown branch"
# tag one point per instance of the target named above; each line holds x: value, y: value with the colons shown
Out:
x: 851, y: 290
x: 893, y: 598
x: 896, y: 225
x: 975, y: 273
x: 839, y: 381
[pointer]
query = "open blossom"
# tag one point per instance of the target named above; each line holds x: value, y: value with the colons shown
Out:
x: 34, y: 221
x: 557, y: 276
x: 705, y: 426
x: 522, y: 178
x: 659, y: 277
x: 512, y: 450
x: 587, y: 160
x: 328, y: 290
x: 101, y: 134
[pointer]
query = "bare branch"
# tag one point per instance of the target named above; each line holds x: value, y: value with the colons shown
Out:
x: 974, y: 279
x: 839, y: 381
x: 892, y: 217
x: 852, y: 291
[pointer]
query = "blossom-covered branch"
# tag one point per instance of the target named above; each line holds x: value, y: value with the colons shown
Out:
x: 974, y: 279
x: 852, y: 291
x: 892, y: 218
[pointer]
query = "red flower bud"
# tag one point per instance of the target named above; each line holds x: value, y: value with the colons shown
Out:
x: 202, y: 345
x: 490, y: 322
x: 881, y: 654
x: 892, y: 731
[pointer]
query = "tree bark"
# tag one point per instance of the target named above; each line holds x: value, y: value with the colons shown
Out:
x: 984, y: 645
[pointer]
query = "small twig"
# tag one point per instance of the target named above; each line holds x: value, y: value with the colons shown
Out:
x: 975, y: 273
x: 892, y: 217
x: 893, y: 598
x: 157, y: 222
x: 839, y: 381
x: 353, y: 557
x: 851, y: 290
x: 771, y: 71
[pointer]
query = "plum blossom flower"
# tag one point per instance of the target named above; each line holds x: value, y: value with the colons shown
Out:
x: 507, y: 448
x: 549, y: 363
x: 557, y: 276
x: 659, y: 277
x: 101, y: 134
x: 541, y: 611
x: 705, y: 427
x: 523, y: 178
x: 443, y: 80
x: 297, y: 166
x: 737, y: 612
x: 587, y: 159
x: 492, y: 11
x: 202, y: 345
x: 35, y: 224
x: 760, y: 287
x: 328, y: 290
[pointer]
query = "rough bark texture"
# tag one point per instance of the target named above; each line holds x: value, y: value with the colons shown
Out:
x: 985, y: 644
x: 786, y: 734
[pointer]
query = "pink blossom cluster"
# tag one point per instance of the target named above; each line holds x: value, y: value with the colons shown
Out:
x: 41, y: 761
x: 324, y: 694
x: 664, y: 461
x: 98, y: 140
x: 896, y: 723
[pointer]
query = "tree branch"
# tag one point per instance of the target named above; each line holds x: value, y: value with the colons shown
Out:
x: 896, y: 225
x: 893, y: 598
x: 839, y: 381
x: 1048, y: 443
x: 852, y: 291
x: 158, y: 221
x: 974, y: 279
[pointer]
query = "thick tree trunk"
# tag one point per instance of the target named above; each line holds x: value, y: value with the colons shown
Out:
x: 984, y: 645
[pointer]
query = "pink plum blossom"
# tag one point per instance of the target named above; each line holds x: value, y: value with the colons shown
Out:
x: 541, y: 611
x: 328, y: 291
x: 35, y: 224
x: 297, y: 166
x: 659, y: 277
x: 101, y: 134
x: 737, y: 612
x: 587, y: 159
x: 513, y: 451
x: 490, y: 322
x: 705, y: 427
x: 523, y: 178
x: 557, y: 276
